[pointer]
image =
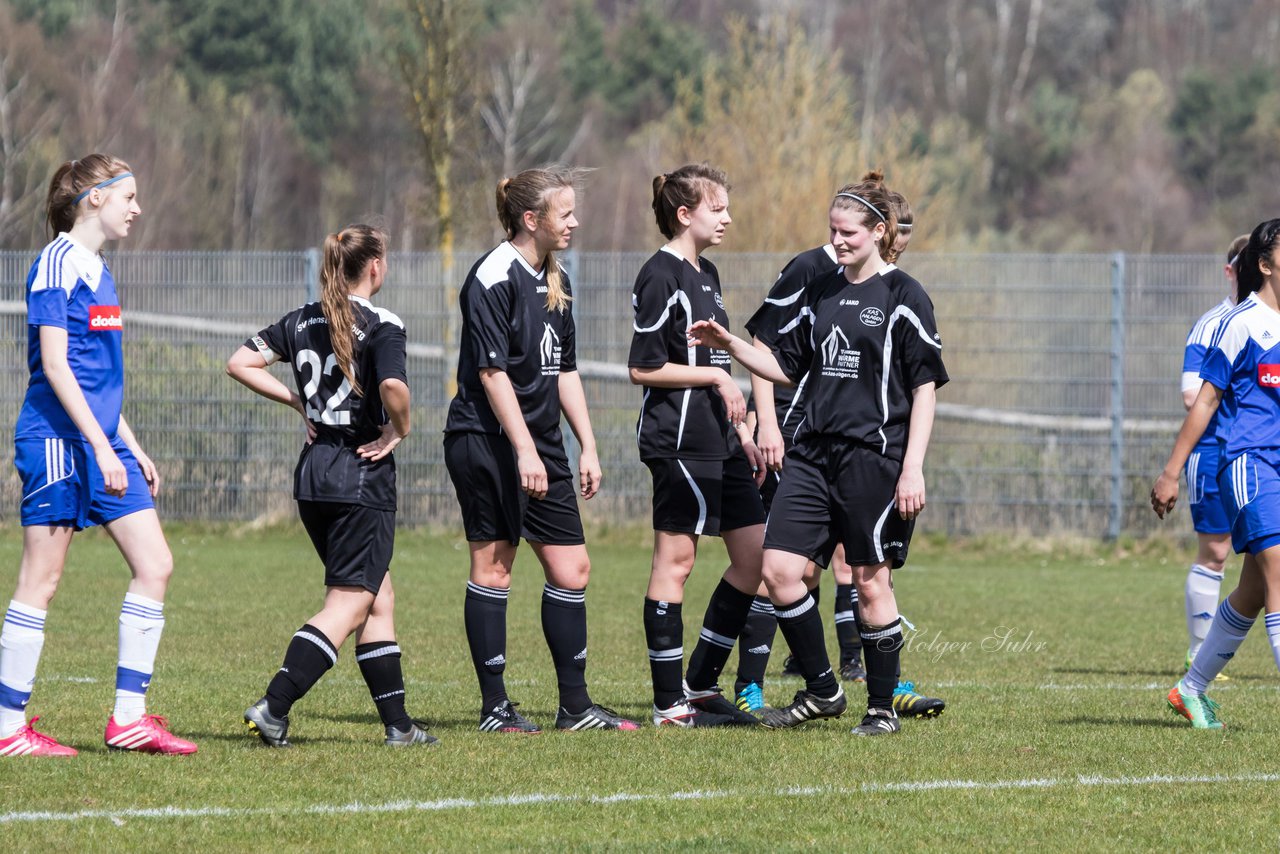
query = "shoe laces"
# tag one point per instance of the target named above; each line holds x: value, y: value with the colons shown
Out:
x: 753, y: 694
x: 605, y: 709
x: 905, y: 688
x: 38, y: 737
x: 159, y: 721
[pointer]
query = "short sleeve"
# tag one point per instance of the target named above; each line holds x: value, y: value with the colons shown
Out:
x: 387, y: 351
x: 569, y: 345
x: 1217, y: 368
x: 919, y: 343
x: 272, y: 342
x: 792, y: 343
x: 488, y: 310
x: 782, y: 301
x: 653, y: 303
x: 47, y: 307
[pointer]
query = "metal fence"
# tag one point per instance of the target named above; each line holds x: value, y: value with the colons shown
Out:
x: 1063, y: 403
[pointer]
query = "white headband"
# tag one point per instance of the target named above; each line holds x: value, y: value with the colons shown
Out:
x: 870, y: 206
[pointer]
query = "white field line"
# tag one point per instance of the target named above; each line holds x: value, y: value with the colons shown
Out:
x: 119, y: 816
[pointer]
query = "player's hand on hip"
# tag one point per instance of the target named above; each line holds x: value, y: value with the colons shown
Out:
x: 1164, y: 494
x: 589, y: 474
x: 379, y: 447
x: 115, y: 478
x: 735, y: 405
x: 533, y: 474
x: 909, y: 496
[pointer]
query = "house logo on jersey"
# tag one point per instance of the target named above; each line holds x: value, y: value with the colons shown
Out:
x: 839, y: 360
x: 105, y: 318
x: 871, y: 316
x: 550, y: 351
x: 1269, y: 375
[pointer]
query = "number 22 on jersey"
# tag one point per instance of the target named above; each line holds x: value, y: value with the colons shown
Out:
x: 336, y: 411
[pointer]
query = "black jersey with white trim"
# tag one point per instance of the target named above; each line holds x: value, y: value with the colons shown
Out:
x: 669, y: 295
x: 329, y: 468
x: 506, y: 325
x: 865, y: 347
x: 780, y: 306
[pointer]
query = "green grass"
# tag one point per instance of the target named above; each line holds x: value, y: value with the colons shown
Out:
x: 1082, y: 698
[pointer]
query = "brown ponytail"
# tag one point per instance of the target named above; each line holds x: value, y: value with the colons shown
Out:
x: 346, y: 254
x: 70, y: 180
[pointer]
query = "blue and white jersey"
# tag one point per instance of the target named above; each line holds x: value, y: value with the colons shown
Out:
x: 1198, y: 341
x: 71, y: 288
x: 1244, y: 361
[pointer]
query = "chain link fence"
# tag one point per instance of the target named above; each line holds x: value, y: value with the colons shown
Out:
x: 1062, y: 407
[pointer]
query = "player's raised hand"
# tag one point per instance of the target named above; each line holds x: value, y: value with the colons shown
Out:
x: 708, y: 333
x: 1164, y: 494
x: 379, y: 447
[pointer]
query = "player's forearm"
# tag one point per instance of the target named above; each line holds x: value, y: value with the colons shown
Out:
x: 924, y: 404
x: 125, y: 432
x: 762, y: 392
x: 573, y: 403
x: 248, y: 368
x: 1193, y: 427
x: 672, y: 375
x: 396, y: 400
x: 760, y: 361
x: 506, y: 407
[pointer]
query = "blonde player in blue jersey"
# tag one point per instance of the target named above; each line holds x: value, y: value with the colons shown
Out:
x: 1241, y: 374
x: 80, y: 463
x: 1208, y: 516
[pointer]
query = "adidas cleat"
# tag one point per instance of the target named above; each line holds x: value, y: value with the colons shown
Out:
x: 791, y: 667
x: 853, y: 671
x: 908, y: 704
x: 750, y: 698
x: 595, y: 717
x: 148, y: 734
x: 878, y: 722
x: 415, y: 734
x: 713, y: 702
x: 683, y: 714
x: 1200, y: 710
x: 28, y: 742
x: 273, y: 731
x: 1221, y: 677
x: 504, y: 718
x: 805, y: 707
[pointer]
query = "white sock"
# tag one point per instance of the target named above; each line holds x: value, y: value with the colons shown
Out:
x: 141, y: 623
x: 1202, y: 589
x: 1220, y: 645
x: 21, y: 641
x: 1273, y: 635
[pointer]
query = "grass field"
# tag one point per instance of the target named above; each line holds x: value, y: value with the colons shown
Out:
x: 1057, y: 733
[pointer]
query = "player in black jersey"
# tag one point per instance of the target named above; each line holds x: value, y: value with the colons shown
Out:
x: 866, y: 338
x: 706, y: 469
x: 348, y: 361
x: 517, y: 372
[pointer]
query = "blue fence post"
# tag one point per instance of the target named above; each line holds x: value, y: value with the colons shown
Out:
x: 1116, y: 510
x: 311, y: 274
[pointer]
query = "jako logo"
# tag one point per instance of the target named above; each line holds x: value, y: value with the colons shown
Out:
x: 871, y: 317
x: 105, y: 318
x: 1269, y: 375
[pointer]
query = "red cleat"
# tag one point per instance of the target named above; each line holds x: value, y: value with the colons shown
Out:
x: 28, y: 742
x: 148, y: 734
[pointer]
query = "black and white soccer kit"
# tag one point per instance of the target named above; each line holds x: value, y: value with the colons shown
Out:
x: 862, y: 349
x: 347, y: 503
x: 506, y: 325
x: 780, y: 306
x: 702, y: 481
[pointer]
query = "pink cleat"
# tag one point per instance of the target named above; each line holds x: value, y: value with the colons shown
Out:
x: 28, y: 742
x: 148, y: 734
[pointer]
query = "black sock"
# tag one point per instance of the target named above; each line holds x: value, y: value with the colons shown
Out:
x: 816, y: 593
x: 380, y: 666
x: 881, y: 647
x: 847, y: 624
x: 485, y: 616
x: 564, y: 625
x: 801, y: 625
x: 664, y: 633
x: 309, y: 656
x: 755, y: 643
x: 726, y: 614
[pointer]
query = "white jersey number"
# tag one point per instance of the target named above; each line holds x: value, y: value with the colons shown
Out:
x: 335, y: 410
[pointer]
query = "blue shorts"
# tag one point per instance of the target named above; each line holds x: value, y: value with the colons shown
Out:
x: 62, y: 486
x: 1250, y: 486
x: 1208, y: 514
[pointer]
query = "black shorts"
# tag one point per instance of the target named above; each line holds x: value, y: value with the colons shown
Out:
x: 704, y: 496
x: 494, y: 506
x: 354, y: 542
x: 769, y: 488
x: 832, y: 492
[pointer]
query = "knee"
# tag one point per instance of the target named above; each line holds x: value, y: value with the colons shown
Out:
x: 575, y: 576
x: 491, y: 575
x: 158, y: 568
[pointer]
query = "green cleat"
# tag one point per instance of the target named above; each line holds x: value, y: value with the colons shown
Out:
x: 1200, y: 710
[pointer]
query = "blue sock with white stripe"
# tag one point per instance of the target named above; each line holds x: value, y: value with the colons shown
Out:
x: 1273, y: 634
x: 309, y: 656
x: 1220, y: 644
x: 21, y: 641
x: 801, y: 625
x: 664, y: 635
x: 141, y: 624
x: 564, y: 625
x: 726, y: 615
x: 1202, y: 590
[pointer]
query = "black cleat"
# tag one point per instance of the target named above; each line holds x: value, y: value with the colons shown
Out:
x: 504, y: 718
x: 273, y: 731
x: 595, y: 717
x: 713, y: 702
x: 791, y: 667
x: 805, y: 707
x: 853, y: 671
x: 878, y: 722
x: 415, y: 734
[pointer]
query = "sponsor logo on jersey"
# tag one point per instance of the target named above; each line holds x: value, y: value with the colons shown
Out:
x: 542, y: 289
x: 839, y: 360
x: 719, y: 301
x: 1269, y: 375
x: 549, y: 350
x: 105, y: 318
x: 1266, y: 335
x: 849, y: 302
x: 871, y: 316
